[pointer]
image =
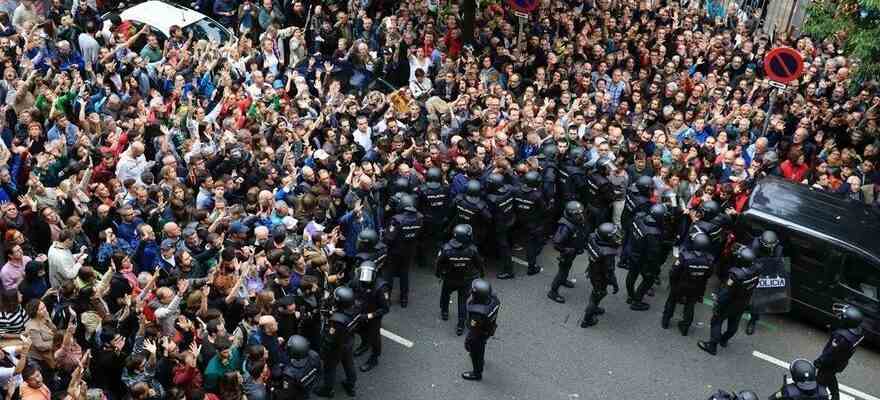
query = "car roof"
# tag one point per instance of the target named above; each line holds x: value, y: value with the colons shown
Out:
x: 161, y: 15
x: 801, y: 208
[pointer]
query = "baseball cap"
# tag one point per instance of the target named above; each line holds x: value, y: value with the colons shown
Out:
x: 238, y: 227
x: 168, y: 244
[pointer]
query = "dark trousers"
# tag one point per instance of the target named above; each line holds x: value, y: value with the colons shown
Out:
x: 732, y: 317
x: 463, y: 290
x: 565, y: 261
x: 503, y: 251
x: 649, y: 277
x: 331, y: 360
x: 476, y: 346
x: 398, y: 265
x: 687, y: 315
x: 596, y: 296
x: 429, y: 245
x: 534, y: 244
x: 828, y: 378
x: 371, y: 336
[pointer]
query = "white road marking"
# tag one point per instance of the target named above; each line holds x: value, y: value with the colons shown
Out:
x: 519, y: 261
x: 396, y: 338
x: 851, y: 393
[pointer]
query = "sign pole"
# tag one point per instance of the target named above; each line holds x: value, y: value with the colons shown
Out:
x: 519, y: 36
x: 773, y: 95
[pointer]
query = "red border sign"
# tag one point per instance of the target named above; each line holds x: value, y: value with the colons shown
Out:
x: 523, y: 6
x: 783, y: 64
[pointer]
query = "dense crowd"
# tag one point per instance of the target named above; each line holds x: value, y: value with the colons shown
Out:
x: 175, y: 209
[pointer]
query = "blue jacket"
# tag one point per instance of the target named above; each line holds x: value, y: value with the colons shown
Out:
x: 352, y: 227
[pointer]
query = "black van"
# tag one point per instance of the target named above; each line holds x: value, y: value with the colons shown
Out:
x: 833, y: 245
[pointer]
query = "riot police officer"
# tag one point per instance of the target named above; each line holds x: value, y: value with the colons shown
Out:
x: 470, y: 208
x: 637, y: 200
x: 338, y: 336
x: 687, y: 281
x: 701, y: 222
x: 482, y: 309
x: 371, y: 300
x: 500, y: 200
x: 602, y: 248
x: 573, y: 176
x: 458, y: 264
x: 646, y: 254
x: 768, y: 253
x: 742, y: 395
x: 401, y: 239
x: 841, y: 346
x: 570, y: 240
x: 804, y: 385
x: 600, y: 192
x: 399, y: 187
x: 434, y: 204
x: 549, y: 164
x: 734, y: 296
x: 530, y: 206
x: 369, y: 248
x: 301, y: 374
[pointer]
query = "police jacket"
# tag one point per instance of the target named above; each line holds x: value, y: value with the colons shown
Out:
x: 530, y: 206
x: 340, y: 328
x: 736, y: 293
x: 378, y: 256
x: 602, y: 255
x: 549, y: 178
x: 839, y: 349
x: 714, y: 231
x: 482, y: 318
x: 791, y: 392
x: 501, y: 206
x: 573, y: 182
x: 690, y: 273
x: 470, y: 210
x: 434, y: 203
x: 298, y: 378
x: 634, y: 203
x: 403, y: 230
x: 570, y: 238
x: 647, y: 246
x: 371, y: 298
x: 458, y: 263
x: 600, y: 190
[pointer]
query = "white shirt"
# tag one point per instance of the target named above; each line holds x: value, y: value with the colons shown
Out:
x: 129, y: 167
x: 365, y: 139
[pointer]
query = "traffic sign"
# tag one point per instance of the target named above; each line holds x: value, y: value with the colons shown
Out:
x: 783, y: 64
x: 523, y: 6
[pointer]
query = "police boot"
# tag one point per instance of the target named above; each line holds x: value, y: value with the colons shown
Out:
x: 505, y: 275
x: 444, y: 315
x: 555, y: 296
x: 404, y: 301
x: 569, y: 283
x: 325, y: 391
x: 370, y: 364
x: 708, y: 347
x: 589, y: 319
x: 534, y: 270
x: 683, y: 328
x: 750, y: 328
x: 664, y: 323
x: 363, y: 348
x: 639, y: 305
x: 472, y: 376
x: 459, y: 330
x: 349, y: 389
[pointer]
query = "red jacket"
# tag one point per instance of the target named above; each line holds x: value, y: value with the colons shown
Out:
x: 792, y: 172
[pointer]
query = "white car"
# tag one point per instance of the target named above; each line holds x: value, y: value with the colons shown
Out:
x: 162, y: 16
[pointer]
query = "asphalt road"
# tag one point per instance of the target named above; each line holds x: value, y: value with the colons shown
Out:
x: 540, y: 352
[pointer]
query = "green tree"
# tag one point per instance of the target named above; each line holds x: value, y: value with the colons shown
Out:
x: 853, y: 24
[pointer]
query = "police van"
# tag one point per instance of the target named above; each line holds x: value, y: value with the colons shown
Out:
x: 833, y: 246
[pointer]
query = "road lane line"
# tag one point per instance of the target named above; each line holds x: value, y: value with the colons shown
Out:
x: 843, y: 388
x: 396, y: 338
x: 519, y: 261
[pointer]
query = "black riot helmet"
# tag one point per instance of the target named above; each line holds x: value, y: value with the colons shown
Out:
x: 297, y: 347
x: 481, y: 290
x: 658, y: 212
x: 701, y: 242
x: 495, y: 182
x: 849, y: 316
x: 366, y: 272
x: 604, y: 166
x: 709, y: 209
x: 608, y: 233
x: 746, y: 395
x: 576, y: 155
x: 407, y: 202
x: 343, y: 296
x: 803, y: 373
x: 574, y: 211
x: 532, y: 179
x: 400, y: 184
x: 745, y: 257
x: 474, y: 188
x: 769, y: 240
x: 463, y: 233
x: 550, y: 152
x: 434, y: 174
x: 645, y: 185
x: 367, y: 239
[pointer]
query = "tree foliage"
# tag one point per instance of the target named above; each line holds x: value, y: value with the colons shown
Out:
x: 855, y: 25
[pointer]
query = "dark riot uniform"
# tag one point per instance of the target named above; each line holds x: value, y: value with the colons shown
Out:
x: 371, y: 299
x: 687, y: 281
x: 836, y: 355
x: 501, y: 203
x: 530, y: 211
x: 308, y: 305
x: 765, y: 261
x: 338, y: 338
x: 734, y: 296
x: 647, y: 253
x: 435, y: 205
x: 482, y: 322
x: 298, y: 378
x: 601, y: 196
x: 633, y: 204
x: 457, y: 265
x: 602, y: 256
x: 401, y: 239
x: 378, y: 255
x: 714, y: 231
x: 473, y: 211
x: 570, y: 240
x: 573, y: 182
x: 791, y: 392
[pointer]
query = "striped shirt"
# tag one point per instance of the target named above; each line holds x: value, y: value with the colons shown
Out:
x: 13, y: 322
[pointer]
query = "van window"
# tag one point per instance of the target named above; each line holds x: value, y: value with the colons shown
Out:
x: 806, y: 253
x: 861, y: 276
